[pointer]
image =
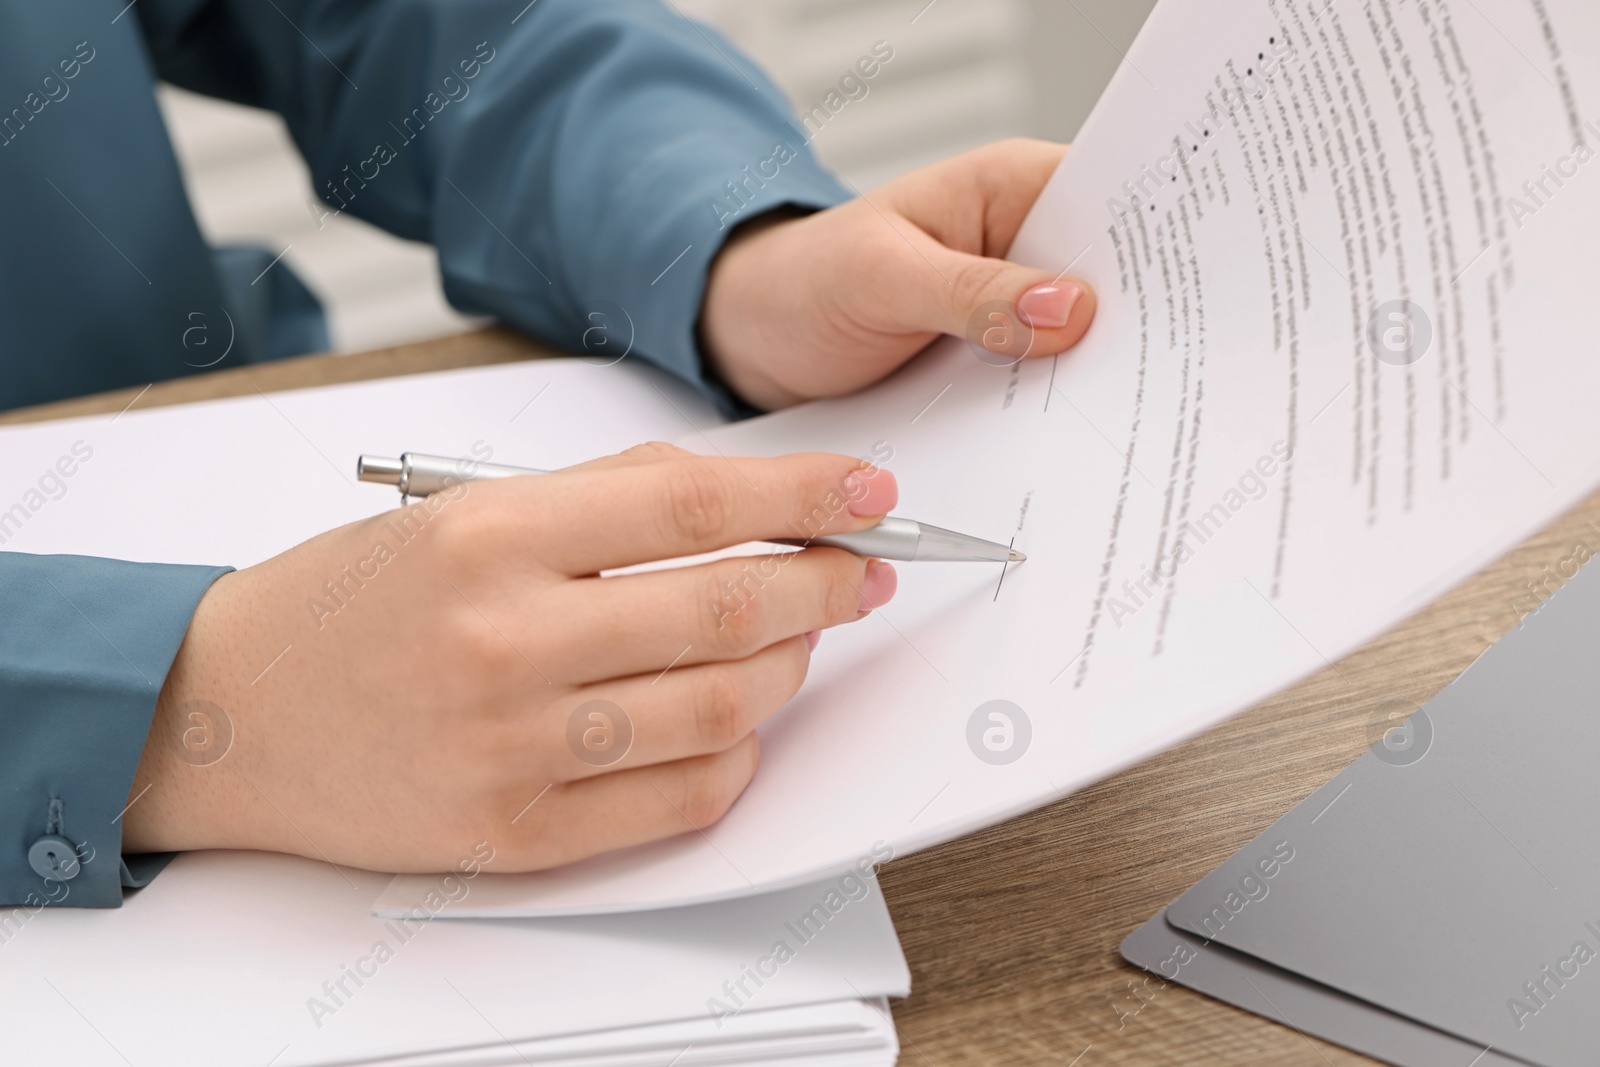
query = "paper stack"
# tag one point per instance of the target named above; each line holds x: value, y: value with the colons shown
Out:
x: 233, y: 959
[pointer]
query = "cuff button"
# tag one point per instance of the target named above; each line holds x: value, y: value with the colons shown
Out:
x: 54, y: 858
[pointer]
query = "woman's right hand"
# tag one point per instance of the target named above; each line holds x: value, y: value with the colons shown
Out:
x: 391, y: 693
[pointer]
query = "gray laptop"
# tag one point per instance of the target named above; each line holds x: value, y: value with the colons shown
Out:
x: 1441, y: 896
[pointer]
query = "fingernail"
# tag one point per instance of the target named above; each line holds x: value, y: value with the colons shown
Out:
x: 878, y: 587
x: 1048, y: 307
x: 871, y: 492
x: 812, y: 638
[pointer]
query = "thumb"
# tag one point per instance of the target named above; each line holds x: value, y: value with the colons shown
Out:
x: 1012, y: 311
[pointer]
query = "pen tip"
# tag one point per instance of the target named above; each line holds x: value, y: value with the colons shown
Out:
x: 1017, y: 557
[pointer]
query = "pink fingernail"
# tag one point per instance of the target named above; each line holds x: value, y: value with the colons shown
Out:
x: 1048, y: 307
x: 812, y: 638
x: 871, y: 492
x: 878, y: 587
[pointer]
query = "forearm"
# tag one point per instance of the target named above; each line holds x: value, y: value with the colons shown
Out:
x: 578, y: 163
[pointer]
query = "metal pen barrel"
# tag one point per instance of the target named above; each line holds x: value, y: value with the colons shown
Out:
x: 419, y: 474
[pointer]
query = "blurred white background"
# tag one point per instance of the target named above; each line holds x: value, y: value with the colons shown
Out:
x: 964, y: 72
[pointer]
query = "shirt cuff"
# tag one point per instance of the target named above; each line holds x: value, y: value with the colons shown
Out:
x: 651, y: 260
x: 85, y: 647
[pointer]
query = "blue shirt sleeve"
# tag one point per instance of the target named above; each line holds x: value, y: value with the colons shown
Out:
x: 85, y: 646
x: 577, y: 163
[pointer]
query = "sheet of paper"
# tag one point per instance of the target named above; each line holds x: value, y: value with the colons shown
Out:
x: 1250, y: 465
x: 249, y: 958
x: 1451, y: 874
x: 1245, y: 982
x: 853, y: 1033
x: 237, y: 481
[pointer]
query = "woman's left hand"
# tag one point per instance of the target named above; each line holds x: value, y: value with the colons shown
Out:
x: 798, y: 308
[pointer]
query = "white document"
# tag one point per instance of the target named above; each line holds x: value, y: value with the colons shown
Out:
x: 1223, y: 489
x: 248, y: 959
x: 237, y: 481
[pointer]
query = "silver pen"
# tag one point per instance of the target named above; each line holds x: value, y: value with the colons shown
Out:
x: 905, y: 540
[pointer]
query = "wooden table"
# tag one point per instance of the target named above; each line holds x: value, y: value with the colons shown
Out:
x: 1012, y: 933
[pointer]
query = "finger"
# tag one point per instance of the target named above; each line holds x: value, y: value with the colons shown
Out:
x: 1012, y: 174
x: 637, y: 456
x: 710, y: 613
x: 976, y: 201
x: 1002, y: 308
x: 964, y: 213
x: 660, y: 718
x: 630, y: 807
x: 1011, y: 311
x: 584, y: 522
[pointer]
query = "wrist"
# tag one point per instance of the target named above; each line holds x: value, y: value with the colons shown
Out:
x: 735, y: 310
x: 185, y: 794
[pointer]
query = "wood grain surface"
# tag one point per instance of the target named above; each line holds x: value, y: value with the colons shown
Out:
x: 477, y: 348
x: 1012, y: 933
